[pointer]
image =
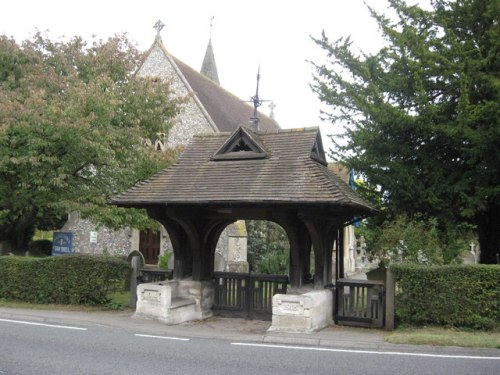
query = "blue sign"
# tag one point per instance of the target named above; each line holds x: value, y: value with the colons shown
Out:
x: 62, y: 243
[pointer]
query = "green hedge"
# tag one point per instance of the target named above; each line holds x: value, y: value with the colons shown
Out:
x: 452, y: 295
x: 69, y: 279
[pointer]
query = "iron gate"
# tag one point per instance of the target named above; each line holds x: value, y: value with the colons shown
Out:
x: 247, y: 295
x: 360, y: 303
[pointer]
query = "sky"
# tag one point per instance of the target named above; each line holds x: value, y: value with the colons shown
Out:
x: 275, y: 34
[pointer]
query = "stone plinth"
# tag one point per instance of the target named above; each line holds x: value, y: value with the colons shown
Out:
x: 174, y: 302
x: 308, y: 312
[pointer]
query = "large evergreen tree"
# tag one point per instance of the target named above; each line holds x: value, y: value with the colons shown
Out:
x: 72, y: 121
x: 422, y: 116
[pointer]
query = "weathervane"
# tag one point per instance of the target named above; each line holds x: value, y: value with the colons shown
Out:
x: 158, y: 26
x: 257, y: 102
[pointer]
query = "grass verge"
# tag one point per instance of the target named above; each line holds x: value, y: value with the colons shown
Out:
x: 445, y: 337
x: 118, y: 301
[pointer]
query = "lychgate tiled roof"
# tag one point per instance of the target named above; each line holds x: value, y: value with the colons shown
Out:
x: 289, y: 173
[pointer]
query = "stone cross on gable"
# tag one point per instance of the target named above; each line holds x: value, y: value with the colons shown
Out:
x: 272, y: 106
x: 158, y: 26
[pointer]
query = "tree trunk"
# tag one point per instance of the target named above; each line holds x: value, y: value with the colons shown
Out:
x: 20, y: 235
x: 489, y: 234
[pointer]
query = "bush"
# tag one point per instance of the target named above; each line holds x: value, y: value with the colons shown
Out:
x: 274, y: 262
x: 163, y: 260
x: 40, y: 248
x: 451, y: 295
x: 268, y: 247
x: 409, y: 241
x: 70, y: 279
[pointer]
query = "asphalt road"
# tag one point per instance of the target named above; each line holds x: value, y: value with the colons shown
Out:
x: 37, y: 348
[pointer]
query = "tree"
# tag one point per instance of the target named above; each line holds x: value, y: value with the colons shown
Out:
x: 421, y: 116
x: 72, y: 123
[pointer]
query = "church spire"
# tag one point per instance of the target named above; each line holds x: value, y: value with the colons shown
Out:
x: 209, y: 68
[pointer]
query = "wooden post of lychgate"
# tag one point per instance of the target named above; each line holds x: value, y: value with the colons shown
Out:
x: 133, y: 280
x: 389, y: 300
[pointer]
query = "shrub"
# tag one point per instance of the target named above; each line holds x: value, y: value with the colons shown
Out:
x: 163, y: 260
x: 268, y: 247
x: 274, y: 262
x: 40, y: 248
x: 409, y: 241
x: 70, y: 279
x: 451, y: 295
x: 416, y: 239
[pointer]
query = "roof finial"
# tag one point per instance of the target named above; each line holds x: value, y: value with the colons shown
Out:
x: 158, y: 26
x: 211, y: 25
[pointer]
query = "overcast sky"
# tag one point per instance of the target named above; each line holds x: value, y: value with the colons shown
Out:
x: 272, y: 33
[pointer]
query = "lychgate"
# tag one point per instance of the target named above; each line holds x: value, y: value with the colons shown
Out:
x: 280, y: 176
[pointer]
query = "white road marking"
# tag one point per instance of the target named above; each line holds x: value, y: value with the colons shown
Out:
x: 42, y: 324
x: 162, y: 337
x: 364, y: 351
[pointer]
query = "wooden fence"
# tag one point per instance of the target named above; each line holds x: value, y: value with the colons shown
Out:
x: 247, y: 295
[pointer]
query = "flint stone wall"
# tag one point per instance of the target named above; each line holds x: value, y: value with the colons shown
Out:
x: 190, y: 120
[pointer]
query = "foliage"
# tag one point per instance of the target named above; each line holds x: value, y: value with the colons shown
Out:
x: 40, y: 248
x: 452, y: 295
x: 421, y: 116
x: 268, y: 248
x: 72, y: 123
x: 163, y: 260
x: 409, y: 242
x: 274, y: 261
x: 69, y: 279
x: 413, y: 241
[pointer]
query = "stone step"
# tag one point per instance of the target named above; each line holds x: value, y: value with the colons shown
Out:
x: 178, y: 302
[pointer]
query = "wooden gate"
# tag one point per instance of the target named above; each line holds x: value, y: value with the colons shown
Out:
x: 247, y: 295
x: 360, y: 303
x: 149, y: 245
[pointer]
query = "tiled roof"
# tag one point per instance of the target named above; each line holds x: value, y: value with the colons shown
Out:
x: 288, y: 175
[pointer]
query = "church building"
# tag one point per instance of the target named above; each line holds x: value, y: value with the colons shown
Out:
x: 209, y: 109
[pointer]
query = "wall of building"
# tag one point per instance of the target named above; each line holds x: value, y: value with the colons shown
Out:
x: 190, y: 120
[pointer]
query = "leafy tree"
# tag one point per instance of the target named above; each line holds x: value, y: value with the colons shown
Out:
x: 421, y: 116
x: 72, y: 123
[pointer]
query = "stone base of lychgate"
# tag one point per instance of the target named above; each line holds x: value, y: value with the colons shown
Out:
x: 176, y: 301
x: 307, y: 312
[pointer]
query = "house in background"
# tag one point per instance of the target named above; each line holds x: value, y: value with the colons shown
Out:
x: 209, y: 109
